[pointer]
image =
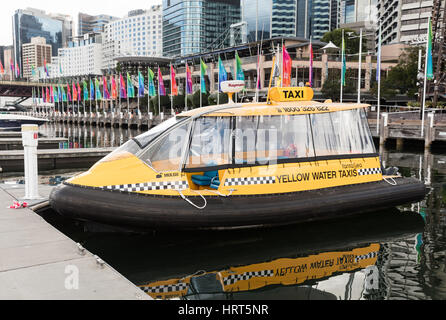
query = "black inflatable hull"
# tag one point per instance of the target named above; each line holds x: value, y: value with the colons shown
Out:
x: 160, y: 212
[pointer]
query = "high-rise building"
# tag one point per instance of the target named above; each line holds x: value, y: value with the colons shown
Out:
x: 191, y: 26
x: 93, y: 24
x: 137, y: 34
x: 29, y: 23
x: 291, y: 18
x: 257, y: 14
x: 83, y: 56
x: 404, y: 21
x: 35, y: 53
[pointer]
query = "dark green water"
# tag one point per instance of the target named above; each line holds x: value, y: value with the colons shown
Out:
x: 393, y: 254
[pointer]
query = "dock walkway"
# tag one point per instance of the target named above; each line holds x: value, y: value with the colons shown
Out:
x: 51, y: 159
x: 39, y: 262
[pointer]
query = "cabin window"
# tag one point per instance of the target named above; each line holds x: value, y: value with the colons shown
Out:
x: 210, y: 144
x: 144, y: 139
x: 267, y: 139
x: 341, y: 133
x: 165, y: 154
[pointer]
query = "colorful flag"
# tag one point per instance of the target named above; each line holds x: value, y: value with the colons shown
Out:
x: 161, y: 88
x: 222, y: 74
x: 105, y: 88
x: 52, y: 95
x: 45, y: 68
x: 130, y: 87
x: 189, y: 86
x: 91, y: 90
x: 239, y: 70
x: 64, y: 96
x: 78, y: 92
x: 123, y: 92
x: 259, y: 82
x: 2, y: 70
x: 173, y: 82
x: 203, y: 68
x: 11, y: 66
x: 98, y: 89
x: 114, y: 91
x: 74, y: 92
x: 17, y: 69
x: 151, y: 83
x: 344, y: 63
x: 56, y: 94
x: 85, y: 88
x: 69, y: 93
x: 48, y: 99
x: 140, y: 84
x: 286, y: 65
x: 430, y: 67
x: 311, y: 64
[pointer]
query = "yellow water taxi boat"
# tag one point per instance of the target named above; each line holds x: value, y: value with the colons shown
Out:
x: 241, y: 165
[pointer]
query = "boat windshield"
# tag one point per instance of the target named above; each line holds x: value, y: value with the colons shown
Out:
x: 144, y: 139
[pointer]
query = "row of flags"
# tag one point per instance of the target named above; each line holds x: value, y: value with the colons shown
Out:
x: 117, y: 87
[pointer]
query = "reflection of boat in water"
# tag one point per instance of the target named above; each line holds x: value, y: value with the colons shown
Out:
x: 166, y: 258
x: 304, y: 257
x: 13, y: 122
x: 240, y: 165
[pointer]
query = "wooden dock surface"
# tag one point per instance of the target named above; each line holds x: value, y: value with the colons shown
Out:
x: 39, y: 262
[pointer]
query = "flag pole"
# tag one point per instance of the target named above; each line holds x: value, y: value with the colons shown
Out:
x: 425, y: 77
x: 139, y: 89
x: 359, y: 66
x: 218, y: 87
x: 379, y: 81
x: 185, y: 88
x: 342, y: 67
x: 159, y: 97
x: 171, y: 90
x: 271, y: 78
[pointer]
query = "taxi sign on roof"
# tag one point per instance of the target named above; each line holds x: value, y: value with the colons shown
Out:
x: 286, y: 94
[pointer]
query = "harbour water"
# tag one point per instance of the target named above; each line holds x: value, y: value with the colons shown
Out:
x: 393, y: 254
x: 86, y: 136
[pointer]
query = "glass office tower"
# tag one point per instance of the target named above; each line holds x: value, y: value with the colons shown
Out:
x: 257, y: 14
x: 197, y: 26
x: 32, y: 23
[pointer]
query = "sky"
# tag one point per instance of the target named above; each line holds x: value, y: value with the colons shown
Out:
x: 111, y: 7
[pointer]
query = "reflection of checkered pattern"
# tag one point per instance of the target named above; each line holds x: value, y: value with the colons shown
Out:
x: 364, y: 172
x: 233, y: 278
x: 249, y: 181
x: 165, y: 288
x: 162, y: 185
x: 366, y: 256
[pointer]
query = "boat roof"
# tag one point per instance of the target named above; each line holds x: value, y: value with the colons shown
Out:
x: 271, y: 109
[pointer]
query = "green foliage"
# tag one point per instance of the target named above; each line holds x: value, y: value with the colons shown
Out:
x: 402, y: 78
x: 351, y: 45
x: 332, y: 85
x: 213, y: 99
x: 195, y: 100
x: 164, y: 102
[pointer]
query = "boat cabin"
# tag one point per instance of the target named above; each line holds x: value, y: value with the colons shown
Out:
x: 288, y: 144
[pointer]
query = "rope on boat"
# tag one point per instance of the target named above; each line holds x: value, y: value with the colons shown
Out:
x: 204, y: 199
x: 190, y: 202
x: 392, y: 181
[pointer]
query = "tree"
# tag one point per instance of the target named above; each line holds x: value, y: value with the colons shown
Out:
x: 401, y: 79
x: 331, y: 88
x: 351, y: 45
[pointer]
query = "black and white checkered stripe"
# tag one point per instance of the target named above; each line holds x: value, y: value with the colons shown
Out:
x: 366, y: 256
x: 249, y: 181
x: 165, y: 288
x: 364, y: 172
x: 233, y: 278
x: 146, y: 186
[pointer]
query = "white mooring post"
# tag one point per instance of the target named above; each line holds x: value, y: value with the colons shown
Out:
x: 30, y: 135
